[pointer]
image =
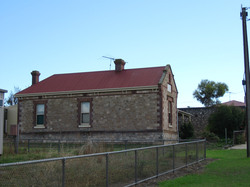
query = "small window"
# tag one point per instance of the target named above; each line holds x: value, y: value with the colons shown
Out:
x: 1, y: 102
x: 169, y: 88
x: 40, y: 108
x: 170, y: 113
x: 85, y: 112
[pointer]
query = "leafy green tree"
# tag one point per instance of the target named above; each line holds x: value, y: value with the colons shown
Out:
x: 208, y: 92
x: 11, y: 100
x: 186, y: 130
x: 229, y: 117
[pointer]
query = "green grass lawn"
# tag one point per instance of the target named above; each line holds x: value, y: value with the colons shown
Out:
x: 232, y: 168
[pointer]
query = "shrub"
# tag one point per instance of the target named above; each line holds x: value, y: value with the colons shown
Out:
x: 210, y: 136
x: 240, y: 139
x: 229, y: 117
x: 186, y: 131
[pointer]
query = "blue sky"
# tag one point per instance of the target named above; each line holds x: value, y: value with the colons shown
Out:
x: 199, y: 39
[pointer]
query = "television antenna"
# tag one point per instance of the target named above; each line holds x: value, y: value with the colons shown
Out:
x: 111, y: 59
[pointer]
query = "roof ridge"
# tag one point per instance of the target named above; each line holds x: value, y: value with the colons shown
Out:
x: 103, y: 71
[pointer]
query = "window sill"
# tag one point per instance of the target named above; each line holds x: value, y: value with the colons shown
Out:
x: 170, y: 125
x: 39, y: 127
x: 84, y: 125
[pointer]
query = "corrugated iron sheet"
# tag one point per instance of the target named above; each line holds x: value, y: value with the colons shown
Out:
x: 97, y: 80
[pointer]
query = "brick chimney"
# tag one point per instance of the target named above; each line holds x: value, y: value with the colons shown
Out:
x: 35, y: 77
x: 119, y: 65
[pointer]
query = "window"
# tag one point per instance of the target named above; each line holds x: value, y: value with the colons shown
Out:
x: 1, y: 102
x: 85, y: 112
x: 84, y: 109
x: 39, y: 119
x: 170, y: 113
x: 169, y: 88
x: 40, y: 108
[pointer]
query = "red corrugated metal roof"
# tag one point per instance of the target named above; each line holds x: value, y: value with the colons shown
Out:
x: 97, y: 80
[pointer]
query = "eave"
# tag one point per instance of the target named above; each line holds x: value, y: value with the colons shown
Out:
x: 154, y: 87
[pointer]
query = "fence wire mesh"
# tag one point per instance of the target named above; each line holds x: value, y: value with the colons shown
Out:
x: 146, y: 163
x: 89, y: 171
x: 118, y: 168
x: 121, y: 170
x: 165, y: 159
x: 36, y: 174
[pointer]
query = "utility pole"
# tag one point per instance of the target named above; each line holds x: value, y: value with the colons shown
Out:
x: 247, y: 81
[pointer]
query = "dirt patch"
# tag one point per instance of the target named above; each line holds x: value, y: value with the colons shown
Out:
x: 193, y: 169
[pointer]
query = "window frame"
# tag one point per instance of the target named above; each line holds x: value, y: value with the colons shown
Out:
x: 80, y: 101
x: 169, y: 88
x: 170, y: 111
x: 40, y: 126
x: 169, y: 85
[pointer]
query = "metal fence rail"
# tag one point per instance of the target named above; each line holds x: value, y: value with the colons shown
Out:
x: 60, y: 145
x: 118, y: 168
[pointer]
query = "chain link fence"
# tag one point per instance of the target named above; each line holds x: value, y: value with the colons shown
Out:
x: 117, y: 168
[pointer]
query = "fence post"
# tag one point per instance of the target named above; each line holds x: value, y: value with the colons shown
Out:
x: 126, y: 141
x: 59, y: 146
x: 28, y: 145
x: 205, y: 149
x: 135, y: 166
x: 226, y: 136
x: 186, y: 154
x: 16, y: 142
x: 63, y: 172
x: 107, y: 170
x: 157, y: 162
x: 233, y: 137
x: 173, y: 158
x: 196, y: 151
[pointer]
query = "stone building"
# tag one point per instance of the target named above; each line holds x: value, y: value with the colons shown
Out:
x: 120, y: 104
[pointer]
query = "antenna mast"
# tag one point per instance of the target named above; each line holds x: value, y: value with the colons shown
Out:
x: 111, y: 59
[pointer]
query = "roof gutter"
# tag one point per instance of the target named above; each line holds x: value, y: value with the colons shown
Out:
x: 88, y: 91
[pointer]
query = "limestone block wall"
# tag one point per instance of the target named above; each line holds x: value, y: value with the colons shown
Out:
x: 113, y: 116
x: 199, y: 118
x: 97, y: 136
x: 25, y: 115
x: 170, y: 131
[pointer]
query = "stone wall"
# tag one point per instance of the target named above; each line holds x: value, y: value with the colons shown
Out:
x: 170, y: 130
x: 199, y: 118
x: 125, y: 116
x: 97, y: 136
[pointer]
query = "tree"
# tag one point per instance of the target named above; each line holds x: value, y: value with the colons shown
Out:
x: 208, y: 92
x: 229, y: 117
x: 11, y: 100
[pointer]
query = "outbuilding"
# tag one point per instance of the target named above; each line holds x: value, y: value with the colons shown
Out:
x: 121, y: 104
